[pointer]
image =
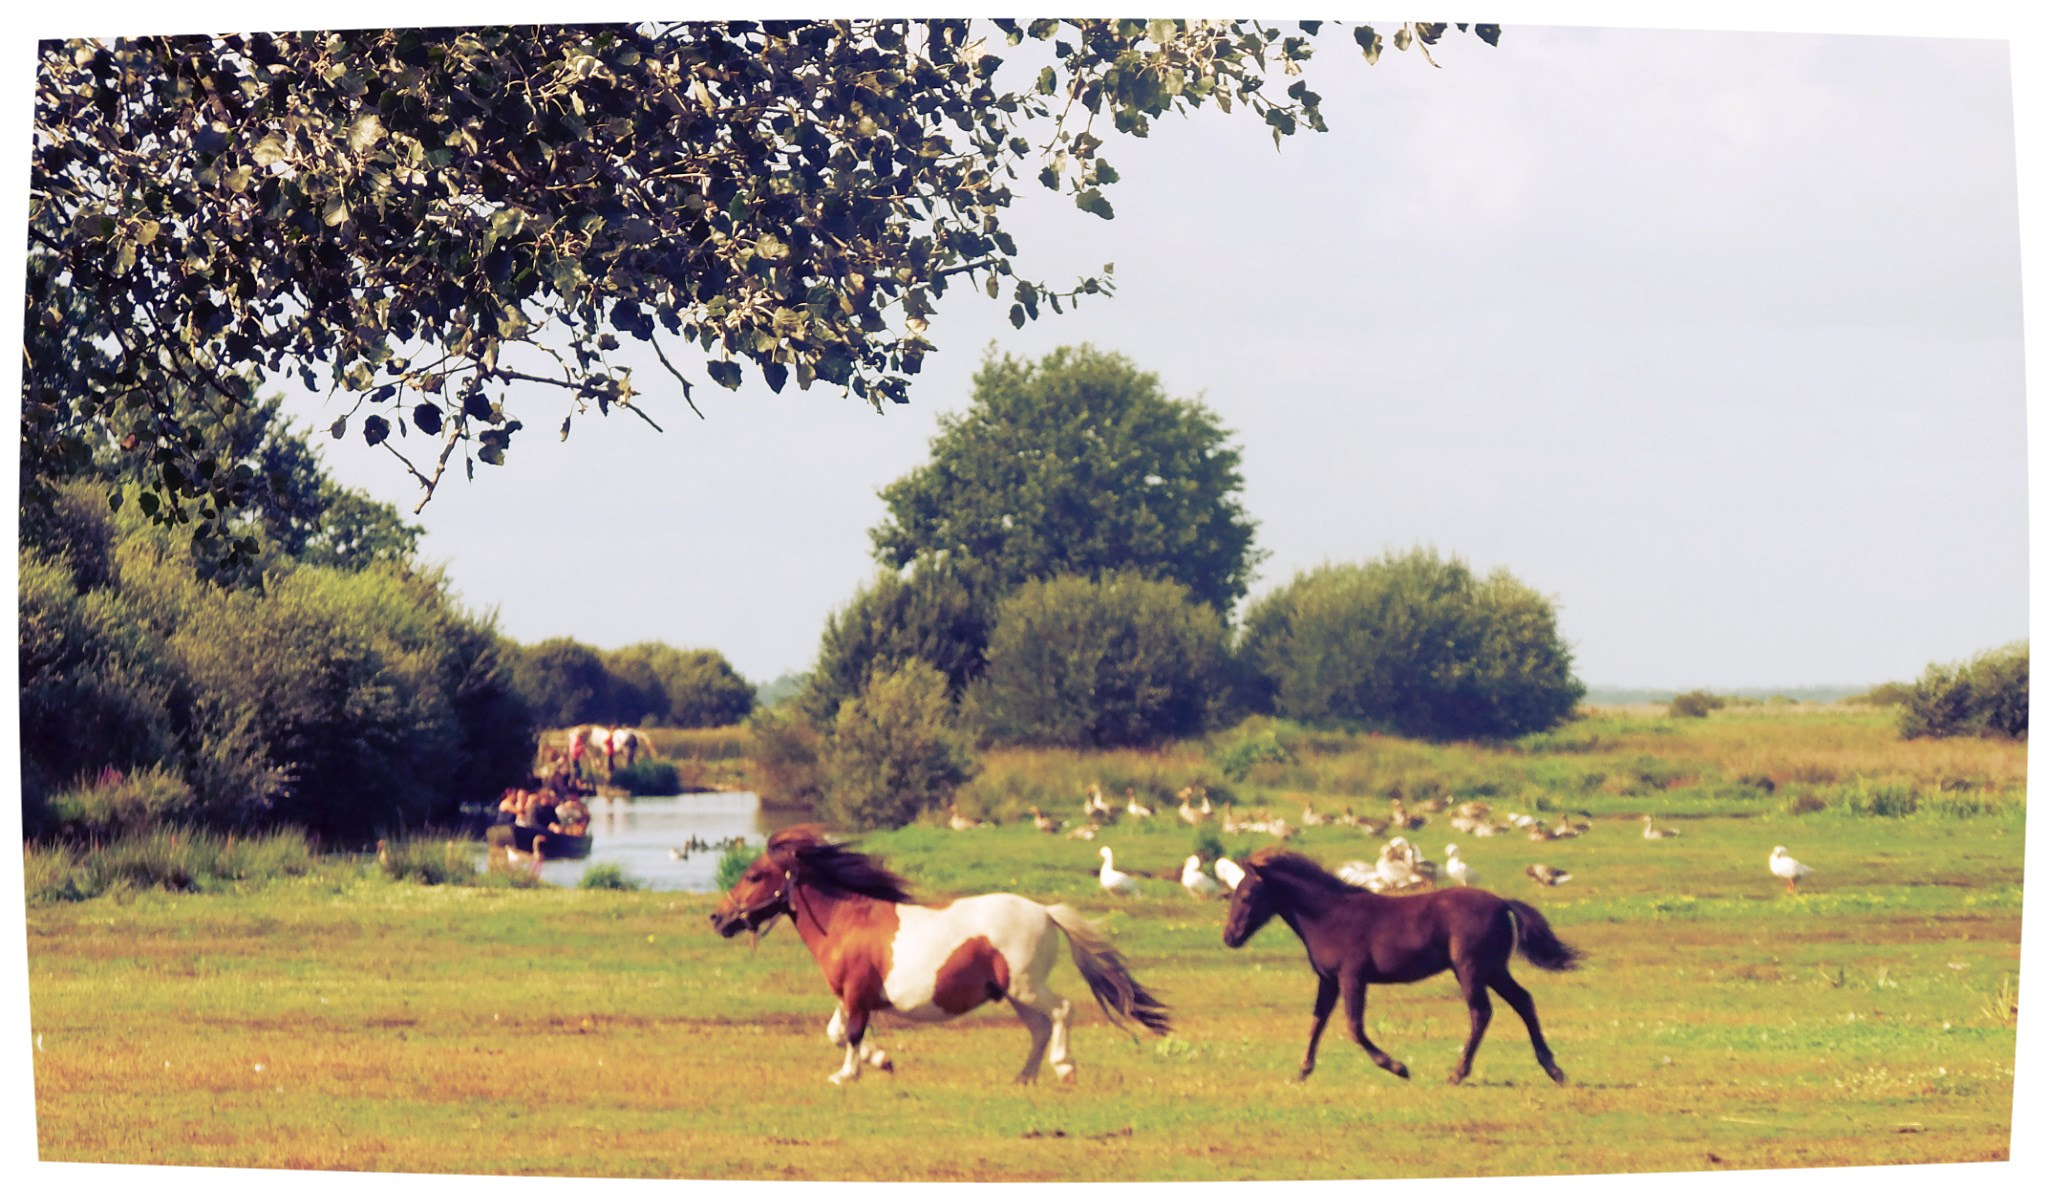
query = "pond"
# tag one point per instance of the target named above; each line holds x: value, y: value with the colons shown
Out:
x: 637, y: 834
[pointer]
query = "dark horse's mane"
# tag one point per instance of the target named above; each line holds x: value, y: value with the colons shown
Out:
x: 1299, y: 870
x: 819, y: 861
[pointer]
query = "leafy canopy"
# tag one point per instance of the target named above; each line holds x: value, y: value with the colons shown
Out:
x: 1077, y: 464
x: 426, y: 219
x: 1413, y: 643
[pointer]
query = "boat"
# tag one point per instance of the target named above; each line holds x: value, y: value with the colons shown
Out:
x: 554, y: 846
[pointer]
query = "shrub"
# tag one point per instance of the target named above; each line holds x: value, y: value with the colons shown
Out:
x: 1985, y: 697
x: 1414, y: 644
x: 607, y: 875
x: 689, y: 688
x: 115, y: 804
x: 937, y: 614
x: 895, y: 751
x: 733, y: 864
x: 649, y: 777
x: 787, y: 751
x: 1118, y: 661
x: 1696, y: 704
x: 430, y: 860
x: 1237, y: 758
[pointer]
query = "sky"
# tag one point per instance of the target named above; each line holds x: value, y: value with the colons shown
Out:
x: 1712, y: 338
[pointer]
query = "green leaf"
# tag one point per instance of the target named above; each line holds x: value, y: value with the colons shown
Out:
x: 1091, y: 201
x: 724, y: 372
x: 339, y: 428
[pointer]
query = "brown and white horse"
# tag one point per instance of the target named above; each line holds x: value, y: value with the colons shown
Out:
x: 928, y: 963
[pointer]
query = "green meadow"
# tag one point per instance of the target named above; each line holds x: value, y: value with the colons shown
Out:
x: 334, y: 1017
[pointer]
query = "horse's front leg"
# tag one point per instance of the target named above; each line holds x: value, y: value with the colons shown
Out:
x: 1326, y: 1001
x: 855, y: 1027
x: 1354, y: 1015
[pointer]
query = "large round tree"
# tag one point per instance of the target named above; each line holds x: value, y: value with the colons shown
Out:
x: 1412, y: 643
x: 1077, y: 464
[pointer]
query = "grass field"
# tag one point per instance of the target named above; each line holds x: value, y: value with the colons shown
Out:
x: 342, y: 1020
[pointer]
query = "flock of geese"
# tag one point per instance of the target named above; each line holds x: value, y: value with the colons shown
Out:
x: 1399, y: 867
x: 695, y: 843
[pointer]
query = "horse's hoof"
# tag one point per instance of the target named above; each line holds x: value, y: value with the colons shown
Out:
x: 1400, y: 1069
x: 1065, y: 1072
x: 880, y: 1059
x: 1455, y: 1078
x: 1303, y: 1074
x: 1556, y: 1073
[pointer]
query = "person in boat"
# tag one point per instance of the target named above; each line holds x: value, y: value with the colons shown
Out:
x: 572, y: 816
x: 540, y: 810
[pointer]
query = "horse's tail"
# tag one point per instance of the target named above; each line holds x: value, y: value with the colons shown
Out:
x: 1538, y: 943
x: 1115, y: 989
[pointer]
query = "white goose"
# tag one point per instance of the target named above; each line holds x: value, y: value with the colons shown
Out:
x: 1229, y: 872
x: 1198, y: 883
x: 1652, y: 830
x: 1456, y: 868
x: 1788, y: 869
x: 1135, y: 807
x: 1114, y: 880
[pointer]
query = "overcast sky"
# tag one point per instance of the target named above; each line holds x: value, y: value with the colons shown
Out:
x: 1713, y: 338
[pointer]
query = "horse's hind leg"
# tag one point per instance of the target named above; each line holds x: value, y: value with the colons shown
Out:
x: 1524, y: 1005
x: 1039, y: 1023
x: 1474, y: 987
x: 1354, y: 1016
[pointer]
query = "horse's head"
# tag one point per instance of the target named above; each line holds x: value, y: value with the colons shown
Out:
x: 1251, y: 907
x: 760, y: 896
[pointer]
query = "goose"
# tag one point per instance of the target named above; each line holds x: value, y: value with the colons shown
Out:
x: 1188, y: 813
x: 678, y: 853
x: 1229, y: 872
x: 1205, y: 806
x: 1431, y: 805
x: 1135, y: 807
x: 1546, y: 875
x: 1046, y: 825
x: 1399, y: 816
x: 1485, y: 829
x: 957, y: 822
x: 1309, y: 816
x: 1652, y: 830
x: 1541, y: 833
x: 1788, y: 869
x: 1198, y: 883
x: 1095, y: 806
x: 1456, y: 868
x: 1565, y: 829
x: 1474, y: 809
x: 1361, y: 873
x: 1114, y: 880
x: 384, y: 853
x: 1085, y: 833
x: 1463, y: 824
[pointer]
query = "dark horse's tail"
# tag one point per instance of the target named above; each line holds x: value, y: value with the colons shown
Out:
x: 1115, y: 989
x: 1540, y: 944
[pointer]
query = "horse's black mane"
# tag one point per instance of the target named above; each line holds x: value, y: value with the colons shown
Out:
x: 826, y: 864
x: 1299, y: 870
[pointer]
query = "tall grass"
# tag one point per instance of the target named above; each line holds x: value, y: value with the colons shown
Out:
x: 178, y: 858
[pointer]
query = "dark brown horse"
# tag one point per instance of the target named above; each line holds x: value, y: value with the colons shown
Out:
x: 1355, y: 938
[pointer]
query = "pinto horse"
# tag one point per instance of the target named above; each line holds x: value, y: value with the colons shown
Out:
x: 929, y: 963
x: 1355, y: 938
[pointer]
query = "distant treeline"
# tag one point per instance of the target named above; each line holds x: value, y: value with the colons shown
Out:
x: 312, y: 675
x: 1597, y: 694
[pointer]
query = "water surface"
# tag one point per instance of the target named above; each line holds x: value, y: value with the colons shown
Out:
x: 637, y: 835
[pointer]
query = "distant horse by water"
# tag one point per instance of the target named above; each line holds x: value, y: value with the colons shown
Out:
x: 929, y: 963
x: 1355, y: 938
